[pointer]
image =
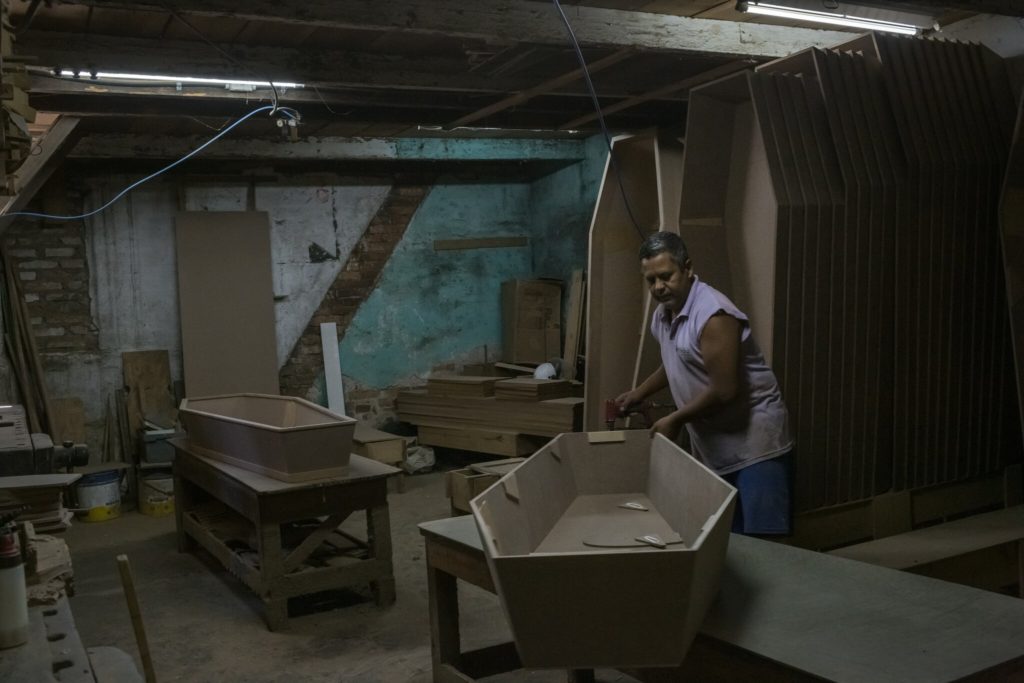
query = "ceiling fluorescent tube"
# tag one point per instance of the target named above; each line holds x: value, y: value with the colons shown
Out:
x: 830, y: 18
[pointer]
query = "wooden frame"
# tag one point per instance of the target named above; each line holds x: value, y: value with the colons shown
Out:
x: 263, y: 505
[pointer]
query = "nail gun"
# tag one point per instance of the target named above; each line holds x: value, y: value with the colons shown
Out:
x: 613, y: 412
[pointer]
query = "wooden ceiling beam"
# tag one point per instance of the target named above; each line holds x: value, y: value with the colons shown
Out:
x: 545, y: 87
x: 671, y: 89
x: 323, y: 68
x: 509, y: 21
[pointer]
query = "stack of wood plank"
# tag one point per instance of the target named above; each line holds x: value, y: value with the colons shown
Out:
x: 461, y: 386
x: 854, y: 221
x: 40, y: 498
x: 531, y: 389
x: 542, y: 418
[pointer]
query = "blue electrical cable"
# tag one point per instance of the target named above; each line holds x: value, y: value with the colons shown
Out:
x: 131, y: 187
x: 600, y: 116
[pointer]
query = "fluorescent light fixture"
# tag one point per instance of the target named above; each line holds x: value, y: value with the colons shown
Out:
x: 159, y: 78
x: 831, y: 18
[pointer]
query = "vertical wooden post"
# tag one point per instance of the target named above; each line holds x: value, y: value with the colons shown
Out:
x: 128, y: 583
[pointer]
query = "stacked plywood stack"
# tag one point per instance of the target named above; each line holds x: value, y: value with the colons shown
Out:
x: 854, y: 221
x: 531, y: 389
x: 461, y: 386
x: 489, y: 414
x: 543, y: 418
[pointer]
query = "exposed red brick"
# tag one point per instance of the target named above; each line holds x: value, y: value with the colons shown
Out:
x: 356, y: 281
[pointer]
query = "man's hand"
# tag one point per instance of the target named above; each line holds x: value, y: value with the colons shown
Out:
x: 628, y: 399
x: 668, y: 426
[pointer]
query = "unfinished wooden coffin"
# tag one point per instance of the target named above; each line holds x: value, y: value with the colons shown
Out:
x: 282, y: 437
x: 606, y: 549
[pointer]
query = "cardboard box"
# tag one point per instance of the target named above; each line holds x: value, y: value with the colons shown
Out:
x: 282, y: 437
x: 531, y: 320
x: 563, y: 535
x: 463, y: 485
x: 377, y: 445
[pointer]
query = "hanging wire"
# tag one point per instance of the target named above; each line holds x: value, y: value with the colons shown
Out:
x: 197, y: 150
x: 600, y: 118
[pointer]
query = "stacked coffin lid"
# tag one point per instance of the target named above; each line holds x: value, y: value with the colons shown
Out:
x: 845, y: 199
x: 1012, y: 223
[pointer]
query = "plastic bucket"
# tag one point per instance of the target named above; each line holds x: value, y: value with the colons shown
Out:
x: 156, y: 495
x: 99, y: 496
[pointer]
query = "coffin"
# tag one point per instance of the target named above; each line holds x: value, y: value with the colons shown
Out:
x: 282, y: 437
x: 564, y: 535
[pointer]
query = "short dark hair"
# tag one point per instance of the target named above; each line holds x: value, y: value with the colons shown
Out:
x: 665, y: 243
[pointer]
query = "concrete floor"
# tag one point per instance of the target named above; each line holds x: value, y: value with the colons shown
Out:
x: 205, y: 625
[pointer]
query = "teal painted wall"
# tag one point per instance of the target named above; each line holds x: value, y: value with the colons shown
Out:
x: 432, y: 308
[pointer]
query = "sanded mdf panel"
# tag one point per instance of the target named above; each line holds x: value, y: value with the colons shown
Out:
x: 1012, y: 230
x: 226, y: 300
x: 616, y: 291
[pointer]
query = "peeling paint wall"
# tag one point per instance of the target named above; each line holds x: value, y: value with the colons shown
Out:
x: 438, y: 308
x: 133, y: 284
x: 433, y: 306
x: 429, y: 308
x: 561, y: 209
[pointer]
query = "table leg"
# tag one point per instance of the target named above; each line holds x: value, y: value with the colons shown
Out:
x: 182, y: 504
x: 445, y: 645
x: 378, y: 533
x: 271, y: 568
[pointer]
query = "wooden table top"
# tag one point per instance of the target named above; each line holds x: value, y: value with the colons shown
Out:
x: 359, y: 469
x: 840, y: 619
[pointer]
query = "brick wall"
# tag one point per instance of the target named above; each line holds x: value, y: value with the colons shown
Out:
x: 49, y: 258
x: 354, y: 283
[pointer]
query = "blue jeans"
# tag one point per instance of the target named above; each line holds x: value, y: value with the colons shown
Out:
x: 763, y: 505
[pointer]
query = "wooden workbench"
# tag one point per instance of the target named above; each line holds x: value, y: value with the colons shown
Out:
x: 219, y: 506
x: 783, y: 614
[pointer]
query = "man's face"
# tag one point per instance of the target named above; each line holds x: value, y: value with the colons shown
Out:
x: 669, y: 284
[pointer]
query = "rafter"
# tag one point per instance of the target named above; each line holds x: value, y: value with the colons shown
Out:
x: 505, y: 21
x: 671, y: 89
x: 542, y: 88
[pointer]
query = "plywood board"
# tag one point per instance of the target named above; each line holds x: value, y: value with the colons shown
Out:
x: 148, y: 390
x: 226, y: 300
x: 68, y: 419
x: 615, y: 291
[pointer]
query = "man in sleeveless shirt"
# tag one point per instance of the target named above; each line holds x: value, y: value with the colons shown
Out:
x: 725, y: 394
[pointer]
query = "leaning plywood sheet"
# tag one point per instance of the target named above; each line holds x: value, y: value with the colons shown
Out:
x: 147, y: 380
x: 606, y: 552
x: 226, y: 301
x: 615, y: 290
x: 1012, y: 228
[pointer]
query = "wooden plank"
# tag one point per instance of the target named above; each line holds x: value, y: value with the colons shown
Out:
x: 940, y: 542
x: 479, y: 440
x: 480, y: 243
x: 33, y: 173
x: 149, y: 394
x: 33, y: 481
x: 229, y: 342
x: 332, y: 367
x: 68, y: 420
x: 531, y: 22
x: 545, y: 87
x: 573, y: 325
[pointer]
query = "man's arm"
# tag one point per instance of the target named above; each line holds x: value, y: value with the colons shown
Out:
x: 653, y: 384
x: 720, y: 347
